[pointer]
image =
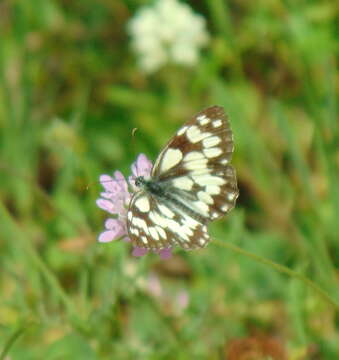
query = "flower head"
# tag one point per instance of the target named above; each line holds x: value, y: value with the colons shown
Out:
x: 115, y: 200
x: 166, y: 32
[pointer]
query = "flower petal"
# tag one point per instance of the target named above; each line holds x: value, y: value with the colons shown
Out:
x: 165, y: 253
x: 106, y: 205
x: 106, y: 195
x: 116, y: 187
x: 138, y: 251
x: 107, y: 236
x: 107, y: 182
x: 120, y: 179
x: 142, y: 167
x: 117, y: 226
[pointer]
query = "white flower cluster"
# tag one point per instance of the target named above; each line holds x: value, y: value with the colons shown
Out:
x: 167, y: 32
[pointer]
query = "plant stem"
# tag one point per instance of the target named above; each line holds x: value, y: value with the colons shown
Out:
x: 17, y: 233
x: 282, y: 269
x: 9, y: 343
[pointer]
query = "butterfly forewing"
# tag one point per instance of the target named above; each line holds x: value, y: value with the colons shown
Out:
x: 201, y: 152
x: 194, y: 171
x: 205, y: 141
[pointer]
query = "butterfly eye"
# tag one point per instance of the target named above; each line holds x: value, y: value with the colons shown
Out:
x: 139, y: 180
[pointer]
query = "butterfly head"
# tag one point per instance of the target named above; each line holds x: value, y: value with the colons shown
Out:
x: 150, y: 185
x: 140, y: 181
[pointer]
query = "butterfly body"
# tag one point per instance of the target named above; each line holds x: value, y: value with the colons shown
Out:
x: 151, y: 186
x: 171, y: 196
x: 191, y: 184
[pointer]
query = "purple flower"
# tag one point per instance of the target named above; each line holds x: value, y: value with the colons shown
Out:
x: 115, y: 229
x: 115, y: 200
x: 138, y: 251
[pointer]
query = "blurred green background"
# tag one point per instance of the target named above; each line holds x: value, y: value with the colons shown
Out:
x: 71, y: 92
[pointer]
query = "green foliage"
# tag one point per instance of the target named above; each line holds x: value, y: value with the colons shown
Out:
x: 70, y: 96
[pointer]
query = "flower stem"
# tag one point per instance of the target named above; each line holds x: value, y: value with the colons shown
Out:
x: 10, y: 342
x: 14, y: 231
x: 282, y: 269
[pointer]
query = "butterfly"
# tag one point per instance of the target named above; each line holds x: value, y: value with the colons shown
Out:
x: 191, y: 184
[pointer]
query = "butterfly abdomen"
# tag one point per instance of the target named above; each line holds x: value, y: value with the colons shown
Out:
x: 170, y: 196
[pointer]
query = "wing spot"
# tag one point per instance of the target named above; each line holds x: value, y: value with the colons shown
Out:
x: 140, y: 223
x: 183, y: 183
x: 224, y: 161
x: 213, y: 189
x: 194, y: 156
x: 214, y: 215
x: 175, y: 227
x: 144, y: 239
x: 230, y: 171
x: 207, y: 179
x: 189, y: 221
x: 198, y: 166
x: 195, y: 160
x: 194, y: 135
x: 142, y: 203
x: 187, y: 230
x: 154, y: 233
x: 135, y: 231
x: 211, y: 141
x: 129, y: 215
x: 171, y: 158
x: 202, y: 241
x: 226, y: 207
x: 158, y: 219
x: 161, y: 232
x: 217, y: 123
x: 212, y: 152
x: 203, y: 207
x: 182, y: 130
x: 203, y: 120
x: 203, y: 196
x: 166, y: 211
x: 231, y: 196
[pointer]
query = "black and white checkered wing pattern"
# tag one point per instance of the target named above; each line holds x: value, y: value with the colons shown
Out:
x: 196, y: 163
x: 197, y: 183
x: 156, y: 225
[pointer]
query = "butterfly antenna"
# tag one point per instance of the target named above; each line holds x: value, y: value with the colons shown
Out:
x: 101, y: 182
x: 134, y: 130
x: 93, y: 183
x: 89, y: 185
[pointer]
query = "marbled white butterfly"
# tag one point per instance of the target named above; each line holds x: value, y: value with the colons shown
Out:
x: 191, y: 184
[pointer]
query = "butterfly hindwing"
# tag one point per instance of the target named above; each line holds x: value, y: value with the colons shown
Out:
x: 152, y: 224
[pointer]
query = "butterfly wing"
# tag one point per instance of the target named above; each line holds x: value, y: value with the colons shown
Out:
x: 194, y: 169
x: 155, y: 225
x: 195, y: 164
